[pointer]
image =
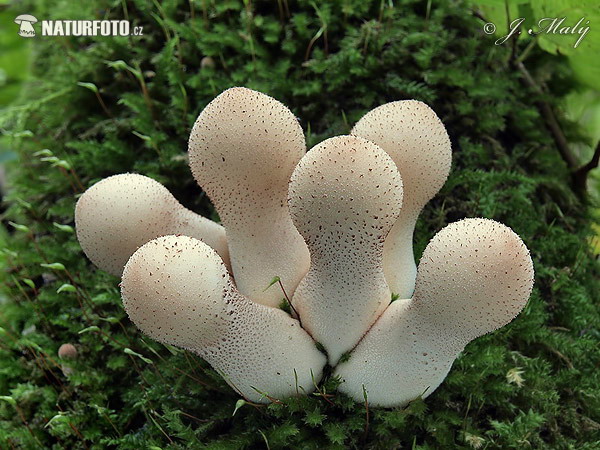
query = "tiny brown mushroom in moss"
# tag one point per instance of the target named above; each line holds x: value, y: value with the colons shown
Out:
x: 243, y: 149
x: 474, y: 277
x: 344, y: 197
x: 177, y: 290
x: 121, y: 213
x: 207, y: 63
x: 67, y: 351
x: 413, y: 135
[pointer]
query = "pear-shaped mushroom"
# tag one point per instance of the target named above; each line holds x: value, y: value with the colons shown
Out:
x: 121, y: 213
x: 243, y: 149
x: 413, y: 135
x: 177, y: 290
x: 475, y: 276
x: 344, y: 197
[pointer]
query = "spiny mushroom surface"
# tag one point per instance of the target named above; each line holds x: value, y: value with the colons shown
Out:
x: 413, y: 135
x: 344, y: 195
x: 177, y: 290
x: 335, y: 226
x: 243, y: 149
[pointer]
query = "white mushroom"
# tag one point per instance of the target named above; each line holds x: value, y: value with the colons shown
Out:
x: 475, y: 276
x: 120, y: 213
x: 177, y: 290
x: 344, y: 197
x: 413, y: 135
x: 243, y: 149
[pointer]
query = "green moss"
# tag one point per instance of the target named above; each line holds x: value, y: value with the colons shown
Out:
x: 505, y: 167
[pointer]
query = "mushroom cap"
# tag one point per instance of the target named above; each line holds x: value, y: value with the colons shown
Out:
x: 122, y: 212
x: 475, y: 276
x: 416, y: 139
x: 345, y: 192
x: 207, y: 63
x: 25, y: 18
x: 66, y: 351
x: 243, y: 147
x: 173, y: 290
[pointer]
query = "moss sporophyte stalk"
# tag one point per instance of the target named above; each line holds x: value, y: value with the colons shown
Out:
x: 338, y: 222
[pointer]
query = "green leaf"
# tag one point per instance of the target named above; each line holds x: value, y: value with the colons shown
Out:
x: 109, y: 319
x: 23, y: 203
x: 273, y: 281
x: 88, y: 329
x: 241, y: 402
x: 45, y: 152
x: 91, y: 86
x: 29, y: 282
x: 142, y: 136
x: 143, y: 358
x: 18, y: 227
x: 60, y: 417
x: 8, y: 399
x: 54, y: 266
x: 65, y: 228
x: 50, y: 159
x: 62, y: 163
x: 66, y: 288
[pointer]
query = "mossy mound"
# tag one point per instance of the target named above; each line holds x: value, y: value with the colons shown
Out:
x: 101, y: 106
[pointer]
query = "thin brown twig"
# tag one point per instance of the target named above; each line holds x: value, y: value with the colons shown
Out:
x: 366, y: 433
x: 580, y: 175
x: 287, y: 299
x: 550, y: 119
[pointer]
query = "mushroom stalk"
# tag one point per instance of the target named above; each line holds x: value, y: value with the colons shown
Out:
x: 415, y: 138
x: 474, y: 277
x: 344, y: 196
x: 243, y: 149
x: 177, y: 290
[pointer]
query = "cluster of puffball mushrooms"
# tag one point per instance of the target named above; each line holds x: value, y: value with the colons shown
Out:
x: 334, y: 225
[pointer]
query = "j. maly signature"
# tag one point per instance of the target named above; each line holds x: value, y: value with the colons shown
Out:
x: 549, y: 25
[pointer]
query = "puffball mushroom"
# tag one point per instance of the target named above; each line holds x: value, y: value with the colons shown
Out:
x: 243, y: 149
x: 177, y: 290
x: 120, y: 213
x: 413, y: 135
x: 67, y: 351
x: 474, y: 277
x: 344, y: 197
x: 335, y: 225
